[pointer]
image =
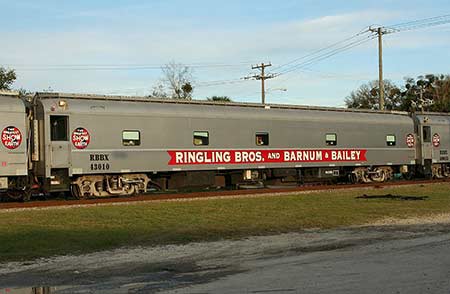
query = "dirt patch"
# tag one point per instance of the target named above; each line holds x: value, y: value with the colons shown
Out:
x: 435, y: 219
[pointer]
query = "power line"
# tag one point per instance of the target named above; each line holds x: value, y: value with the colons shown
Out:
x: 420, y: 23
x: 219, y: 82
x: 323, y: 49
x: 407, y: 26
x: 327, y: 54
x: 113, y: 67
x: 297, y: 64
x: 349, y: 43
x: 341, y: 46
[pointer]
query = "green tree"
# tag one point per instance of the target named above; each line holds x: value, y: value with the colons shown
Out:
x: 219, y: 99
x: 7, y: 78
x: 429, y: 92
x: 366, y: 96
x: 441, y: 94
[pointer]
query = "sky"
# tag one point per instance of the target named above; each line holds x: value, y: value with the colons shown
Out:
x: 118, y: 47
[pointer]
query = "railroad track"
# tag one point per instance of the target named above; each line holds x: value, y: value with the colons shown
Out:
x: 205, y: 194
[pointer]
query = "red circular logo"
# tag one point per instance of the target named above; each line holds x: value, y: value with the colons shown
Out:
x: 410, y: 141
x: 436, y: 140
x: 11, y: 137
x: 80, y: 138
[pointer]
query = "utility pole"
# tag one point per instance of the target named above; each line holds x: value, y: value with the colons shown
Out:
x: 263, y: 76
x: 380, y: 31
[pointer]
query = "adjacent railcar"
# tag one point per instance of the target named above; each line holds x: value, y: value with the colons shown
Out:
x: 13, y: 146
x: 433, y: 151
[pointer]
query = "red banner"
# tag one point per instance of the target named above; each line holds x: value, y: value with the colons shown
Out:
x: 190, y: 157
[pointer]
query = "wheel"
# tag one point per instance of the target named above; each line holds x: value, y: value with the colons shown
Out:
x: 26, y: 195
x: 153, y: 187
x: 15, y: 194
x: 129, y: 190
x: 75, y: 191
x: 380, y: 175
x: 437, y: 172
x: 408, y: 176
x: 352, y: 178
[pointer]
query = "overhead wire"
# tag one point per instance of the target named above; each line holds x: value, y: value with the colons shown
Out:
x: 420, y: 23
x: 327, y: 54
x: 88, y: 67
x: 322, y: 49
x: 297, y: 64
x: 334, y: 49
x: 219, y: 82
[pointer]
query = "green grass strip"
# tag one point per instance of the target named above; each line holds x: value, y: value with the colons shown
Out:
x: 41, y: 233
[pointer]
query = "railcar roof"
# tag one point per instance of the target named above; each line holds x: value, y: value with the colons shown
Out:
x: 11, y: 103
x: 191, y: 106
x: 52, y: 95
x: 434, y: 118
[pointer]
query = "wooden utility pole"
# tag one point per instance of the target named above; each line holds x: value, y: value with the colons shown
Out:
x: 380, y: 32
x: 263, y: 76
x: 380, y: 67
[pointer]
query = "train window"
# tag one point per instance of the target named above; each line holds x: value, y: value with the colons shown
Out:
x: 262, y: 139
x: 131, y: 138
x: 58, y: 128
x: 390, y: 140
x: 331, y: 139
x: 201, y: 138
x: 427, y: 134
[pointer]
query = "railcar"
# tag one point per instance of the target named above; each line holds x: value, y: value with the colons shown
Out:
x: 13, y: 147
x: 96, y: 146
x: 102, y: 146
x: 432, y: 154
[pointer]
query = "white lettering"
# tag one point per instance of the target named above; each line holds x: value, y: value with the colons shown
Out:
x: 273, y: 155
x: 238, y: 157
x: 179, y: 157
x: 319, y: 155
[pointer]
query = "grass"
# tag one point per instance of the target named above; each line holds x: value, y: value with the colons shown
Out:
x: 41, y: 233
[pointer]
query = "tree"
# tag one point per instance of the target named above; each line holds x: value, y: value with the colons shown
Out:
x: 186, y: 91
x: 429, y: 92
x: 366, y: 96
x: 441, y: 93
x: 219, y: 99
x: 176, y: 82
x: 158, y: 91
x: 7, y: 78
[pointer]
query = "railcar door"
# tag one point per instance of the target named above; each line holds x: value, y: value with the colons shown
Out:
x: 426, y: 150
x: 59, y: 149
x: 427, y: 146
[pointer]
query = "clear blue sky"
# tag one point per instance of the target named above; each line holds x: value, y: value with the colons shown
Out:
x: 118, y: 47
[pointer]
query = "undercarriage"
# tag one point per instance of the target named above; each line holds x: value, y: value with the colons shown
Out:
x: 109, y: 185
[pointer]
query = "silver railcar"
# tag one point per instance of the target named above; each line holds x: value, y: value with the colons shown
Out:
x: 106, y: 146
